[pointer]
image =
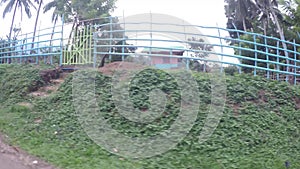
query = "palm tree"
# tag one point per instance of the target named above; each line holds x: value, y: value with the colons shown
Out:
x: 39, y: 2
x: 26, y: 4
x: 269, y: 8
x: 240, y: 11
x: 62, y: 8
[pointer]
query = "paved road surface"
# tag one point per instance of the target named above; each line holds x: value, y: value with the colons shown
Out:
x: 7, y: 163
x: 12, y: 157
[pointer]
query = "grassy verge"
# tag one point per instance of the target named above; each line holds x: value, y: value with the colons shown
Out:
x: 259, y: 128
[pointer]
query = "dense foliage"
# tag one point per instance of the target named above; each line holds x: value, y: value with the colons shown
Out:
x: 16, y: 81
x: 259, y: 127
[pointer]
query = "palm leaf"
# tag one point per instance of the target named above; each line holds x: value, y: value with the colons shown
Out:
x: 3, y: 1
x: 21, y: 12
x: 9, y: 7
x: 30, y: 4
x: 26, y: 8
x: 49, y: 6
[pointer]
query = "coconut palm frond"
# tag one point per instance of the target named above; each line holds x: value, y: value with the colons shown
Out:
x: 8, y: 7
x: 49, y: 6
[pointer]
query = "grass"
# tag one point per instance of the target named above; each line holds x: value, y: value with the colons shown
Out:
x: 259, y: 127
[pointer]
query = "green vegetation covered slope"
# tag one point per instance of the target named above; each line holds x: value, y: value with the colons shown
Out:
x: 259, y: 128
x: 16, y: 81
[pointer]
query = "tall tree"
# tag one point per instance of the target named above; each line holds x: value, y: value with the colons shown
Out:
x: 252, y: 14
x: 39, y: 2
x: 26, y: 4
x: 267, y: 19
x: 200, y: 47
x: 265, y: 14
x: 89, y: 9
x: 240, y: 14
x: 82, y: 14
x: 61, y: 8
x: 268, y: 9
x: 83, y: 10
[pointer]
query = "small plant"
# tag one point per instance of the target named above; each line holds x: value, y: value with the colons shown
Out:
x: 231, y: 70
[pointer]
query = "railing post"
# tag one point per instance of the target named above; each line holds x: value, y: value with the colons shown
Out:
x: 93, y: 31
x: 187, y: 64
x: 267, y: 58
x: 124, y: 40
x: 123, y: 49
x: 38, y: 48
x: 221, y: 48
x: 295, y: 62
x: 61, y: 42
x: 277, y: 53
x: 288, y: 64
x: 95, y: 49
x: 110, y: 37
x: 240, y: 53
x: 255, y: 54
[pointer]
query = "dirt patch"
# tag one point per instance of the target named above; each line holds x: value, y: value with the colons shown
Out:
x: 297, y: 103
x: 236, y: 109
x: 51, y: 87
x: 111, y: 68
x: 26, y: 104
x: 127, y: 68
x: 12, y: 157
x: 262, y: 97
x: 49, y: 74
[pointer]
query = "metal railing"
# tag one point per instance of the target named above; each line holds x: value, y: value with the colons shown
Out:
x: 45, y: 48
x: 249, y: 52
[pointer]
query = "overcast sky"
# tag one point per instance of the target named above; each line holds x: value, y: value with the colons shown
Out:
x: 200, y: 12
x: 196, y: 12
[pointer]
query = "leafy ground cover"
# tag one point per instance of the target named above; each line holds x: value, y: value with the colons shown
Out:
x: 259, y: 127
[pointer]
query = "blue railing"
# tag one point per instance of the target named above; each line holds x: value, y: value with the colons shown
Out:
x: 45, y: 48
x: 249, y: 52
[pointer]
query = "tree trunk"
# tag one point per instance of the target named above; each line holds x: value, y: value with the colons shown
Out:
x: 75, y: 34
x: 72, y: 30
x: 10, y: 32
x: 265, y: 28
x: 35, y: 25
x: 244, y: 25
x: 102, y: 62
x: 52, y: 34
x: 281, y: 34
x: 51, y: 39
x: 12, y: 21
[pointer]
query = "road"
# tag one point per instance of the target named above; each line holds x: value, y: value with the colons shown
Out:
x: 7, y: 163
x: 12, y: 157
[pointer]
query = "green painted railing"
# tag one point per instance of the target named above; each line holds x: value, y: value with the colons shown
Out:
x: 80, y: 50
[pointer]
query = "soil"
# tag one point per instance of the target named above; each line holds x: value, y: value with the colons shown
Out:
x: 297, y: 101
x: 12, y: 157
x: 123, y: 69
x: 52, y: 86
x: 111, y: 68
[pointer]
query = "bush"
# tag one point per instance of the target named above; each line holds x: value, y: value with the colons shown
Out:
x: 231, y: 70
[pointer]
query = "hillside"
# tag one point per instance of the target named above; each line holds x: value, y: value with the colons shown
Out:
x: 259, y: 128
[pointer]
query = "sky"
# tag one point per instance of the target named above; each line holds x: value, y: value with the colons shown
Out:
x: 195, y: 12
x: 200, y: 12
